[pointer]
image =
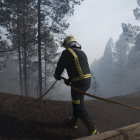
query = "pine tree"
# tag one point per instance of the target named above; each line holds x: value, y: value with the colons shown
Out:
x: 20, y: 20
x: 105, y: 66
x: 120, y: 55
x: 132, y: 31
x: 55, y: 12
x: 133, y: 36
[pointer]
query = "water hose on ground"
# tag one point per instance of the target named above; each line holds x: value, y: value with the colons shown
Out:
x: 82, y: 92
x: 100, y: 98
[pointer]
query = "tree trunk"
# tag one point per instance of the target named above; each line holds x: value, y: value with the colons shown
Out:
x: 95, y: 85
x: 25, y: 69
x: 19, y: 52
x: 39, y: 52
x: 45, y: 66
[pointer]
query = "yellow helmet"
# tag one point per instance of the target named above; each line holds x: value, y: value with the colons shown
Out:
x: 67, y: 40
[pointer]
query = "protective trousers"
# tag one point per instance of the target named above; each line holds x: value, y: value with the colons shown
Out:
x: 79, y: 110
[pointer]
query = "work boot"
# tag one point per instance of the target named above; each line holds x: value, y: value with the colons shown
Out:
x: 91, y: 129
x: 95, y: 131
x: 72, y: 122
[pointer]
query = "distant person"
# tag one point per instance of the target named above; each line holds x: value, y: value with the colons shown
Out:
x: 74, y: 60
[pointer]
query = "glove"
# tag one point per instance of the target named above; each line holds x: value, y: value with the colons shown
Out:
x: 67, y: 82
x: 57, y: 77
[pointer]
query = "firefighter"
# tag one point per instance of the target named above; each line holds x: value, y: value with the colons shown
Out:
x: 74, y: 60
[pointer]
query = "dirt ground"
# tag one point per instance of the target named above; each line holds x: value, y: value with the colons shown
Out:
x: 46, y: 119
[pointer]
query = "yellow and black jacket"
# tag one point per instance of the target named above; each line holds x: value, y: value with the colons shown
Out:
x: 74, y: 60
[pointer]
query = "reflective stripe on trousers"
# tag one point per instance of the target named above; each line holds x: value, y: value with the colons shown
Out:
x: 79, y: 110
x: 75, y: 101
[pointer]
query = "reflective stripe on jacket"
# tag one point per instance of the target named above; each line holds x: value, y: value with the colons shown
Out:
x: 76, y: 64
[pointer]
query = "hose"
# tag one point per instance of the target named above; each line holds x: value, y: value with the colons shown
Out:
x: 93, y: 96
x: 82, y: 92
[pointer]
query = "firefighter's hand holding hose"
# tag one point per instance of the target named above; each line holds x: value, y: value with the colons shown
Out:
x: 67, y: 81
x: 57, y: 77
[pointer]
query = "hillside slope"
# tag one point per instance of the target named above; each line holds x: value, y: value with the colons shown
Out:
x: 46, y: 118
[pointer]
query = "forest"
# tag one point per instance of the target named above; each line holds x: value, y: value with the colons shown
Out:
x: 118, y: 70
x: 31, y: 32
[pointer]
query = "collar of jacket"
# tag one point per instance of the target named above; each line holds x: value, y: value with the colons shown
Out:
x: 74, y: 45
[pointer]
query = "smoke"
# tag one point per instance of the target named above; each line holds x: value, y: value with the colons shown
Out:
x: 8, y: 76
x: 9, y: 83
